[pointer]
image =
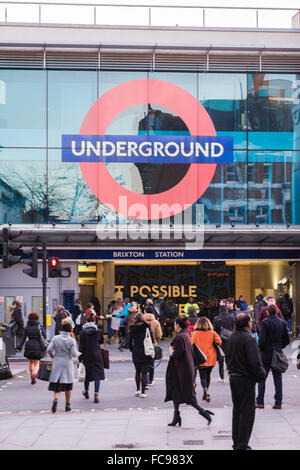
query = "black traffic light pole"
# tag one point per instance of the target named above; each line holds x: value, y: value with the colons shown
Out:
x: 44, y: 282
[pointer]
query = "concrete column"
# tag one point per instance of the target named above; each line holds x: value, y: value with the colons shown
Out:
x: 243, y: 282
x: 99, y: 284
x: 108, y: 282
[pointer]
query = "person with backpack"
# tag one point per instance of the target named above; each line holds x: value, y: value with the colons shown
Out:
x: 157, y: 335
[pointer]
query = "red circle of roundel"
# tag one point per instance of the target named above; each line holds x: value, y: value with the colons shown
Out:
x: 156, y: 92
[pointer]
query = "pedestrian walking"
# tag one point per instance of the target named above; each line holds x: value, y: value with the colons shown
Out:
x: 156, y: 331
x: 191, y: 303
x: 191, y: 319
x: 264, y: 311
x: 229, y: 303
x: 180, y: 374
x: 224, y: 320
x: 36, y: 344
x: 142, y: 362
x: 241, y: 303
x: 60, y: 314
x: 128, y: 321
x: 78, y: 318
x: 245, y: 370
x: 259, y: 304
x: 91, y: 339
x: 212, y: 308
x: 205, y: 338
x: 273, y: 335
x: 16, y: 320
x: 286, y: 308
x: 62, y: 348
x: 171, y: 312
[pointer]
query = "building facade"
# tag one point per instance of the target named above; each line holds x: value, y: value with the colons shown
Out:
x: 152, y: 83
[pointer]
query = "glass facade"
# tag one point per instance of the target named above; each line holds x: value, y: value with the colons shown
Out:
x: 259, y: 111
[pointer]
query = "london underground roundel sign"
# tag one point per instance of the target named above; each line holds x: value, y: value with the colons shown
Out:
x: 157, y: 92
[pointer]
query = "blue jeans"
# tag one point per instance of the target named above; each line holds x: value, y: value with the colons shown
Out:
x: 96, y: 386
x: 277, y: 377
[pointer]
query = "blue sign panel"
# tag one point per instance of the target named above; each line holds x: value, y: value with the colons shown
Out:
x: 146, y: 149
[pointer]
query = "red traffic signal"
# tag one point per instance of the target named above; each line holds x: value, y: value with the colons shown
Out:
x: 53, y: 267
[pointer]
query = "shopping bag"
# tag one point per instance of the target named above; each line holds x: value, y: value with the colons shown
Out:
x: 115, y: 323
x: 5, y: 372
x: 148, y: 346
x: 81, y: 372
x: 105, y: 357
x: 44, y: 371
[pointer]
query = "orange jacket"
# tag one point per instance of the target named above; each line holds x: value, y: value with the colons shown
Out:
x: 205, y: 341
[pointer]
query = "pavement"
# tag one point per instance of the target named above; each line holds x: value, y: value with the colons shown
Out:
x: 142, y: 426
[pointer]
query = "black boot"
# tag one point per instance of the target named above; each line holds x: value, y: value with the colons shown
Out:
x: 176, y: 419
x: 54, y: 406
x: 68, y: 407
x: 207, y: 415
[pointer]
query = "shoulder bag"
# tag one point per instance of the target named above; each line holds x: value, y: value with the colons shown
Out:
x: 279, y: 361
x: 158, y: 353
x: 44, y: 343
x: 220, y: 352
x: 225, y: 334
x: 199, y: 356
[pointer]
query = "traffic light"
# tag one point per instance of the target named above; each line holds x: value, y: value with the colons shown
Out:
x: 32, y: 261
x: 55, y: 270
x: 53, y: 267
x: 9, y: 247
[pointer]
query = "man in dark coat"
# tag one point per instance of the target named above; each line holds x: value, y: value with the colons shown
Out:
x: 245, y: 369
x: 17, y: 320
x: 91, y: 338
x: 273, y: 335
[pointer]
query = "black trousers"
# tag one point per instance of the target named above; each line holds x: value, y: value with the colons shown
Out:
x: 141, y: 371
x: 205, y: 373
x: 243, y: 413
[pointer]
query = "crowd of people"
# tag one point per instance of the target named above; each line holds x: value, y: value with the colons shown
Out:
x: 225, y: 333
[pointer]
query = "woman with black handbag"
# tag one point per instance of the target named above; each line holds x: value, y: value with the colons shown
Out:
x: 90, y: 342
x: 180, y: 375
x: 35, y: 346
x: 205, y: 338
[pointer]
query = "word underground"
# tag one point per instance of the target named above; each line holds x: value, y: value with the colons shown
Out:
x: 152, y: 149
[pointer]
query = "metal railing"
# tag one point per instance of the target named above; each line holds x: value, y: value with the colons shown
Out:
x: 149, y: 15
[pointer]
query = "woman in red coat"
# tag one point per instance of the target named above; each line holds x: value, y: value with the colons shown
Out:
x: 180, y: 375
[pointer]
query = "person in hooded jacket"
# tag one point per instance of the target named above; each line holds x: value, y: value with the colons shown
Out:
x: 34, y: 348
x: 91, y: 339
x: 156, y: 331
x: 142, y: 363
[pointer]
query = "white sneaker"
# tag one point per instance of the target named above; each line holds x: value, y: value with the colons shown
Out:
x: 151, y: 383
x: 221, y: 380
x: 143, y: 395
x: 137, y: 394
